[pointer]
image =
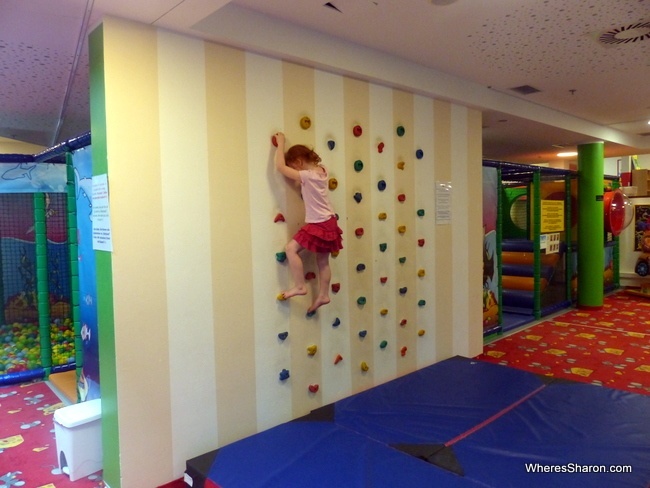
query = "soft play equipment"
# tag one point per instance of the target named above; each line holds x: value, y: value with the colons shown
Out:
x: 457, y: 423
x: 38, y: 265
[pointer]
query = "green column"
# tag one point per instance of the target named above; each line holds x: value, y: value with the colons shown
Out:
x: 591, y: 225
x: 42, y: 286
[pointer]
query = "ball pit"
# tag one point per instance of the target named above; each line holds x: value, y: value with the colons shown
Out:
x: 20, y: 348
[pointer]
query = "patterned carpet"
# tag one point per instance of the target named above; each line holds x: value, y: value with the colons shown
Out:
x: 608, y: 347
x: 28, y: 456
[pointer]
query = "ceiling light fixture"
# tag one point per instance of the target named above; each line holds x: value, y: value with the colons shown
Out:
x: 567, y: 154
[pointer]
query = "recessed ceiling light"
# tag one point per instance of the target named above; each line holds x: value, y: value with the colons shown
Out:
x: 442, y: 2
x: 567, y: 154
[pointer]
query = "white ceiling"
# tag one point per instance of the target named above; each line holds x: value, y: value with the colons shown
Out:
x: 589, y: 89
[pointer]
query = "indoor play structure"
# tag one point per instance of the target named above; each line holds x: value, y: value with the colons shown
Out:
x: 39, y: 286
x: 530, y: 241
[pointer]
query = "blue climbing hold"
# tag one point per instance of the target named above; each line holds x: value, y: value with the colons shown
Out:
x: 358, y: 197
x: 283, y: 335
x: 336, y: 322
x: 419, y: 154
x: 284, y: 374
x: 381, y: 185
x: 363, y: 333
x: 331, y: 144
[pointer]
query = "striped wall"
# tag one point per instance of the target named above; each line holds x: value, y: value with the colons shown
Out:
x: 193, y: 200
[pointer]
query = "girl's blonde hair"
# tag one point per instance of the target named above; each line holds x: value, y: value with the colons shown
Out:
x: 301, y: 152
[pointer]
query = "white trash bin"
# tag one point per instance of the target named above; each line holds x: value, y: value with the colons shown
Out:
x: 78, y: 431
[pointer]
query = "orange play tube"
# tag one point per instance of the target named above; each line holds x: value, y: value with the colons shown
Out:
x: 513, y: 257
x: 522, y: 283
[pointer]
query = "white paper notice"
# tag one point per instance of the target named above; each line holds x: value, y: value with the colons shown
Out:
x: 443, y: 202
x: 102, y: 240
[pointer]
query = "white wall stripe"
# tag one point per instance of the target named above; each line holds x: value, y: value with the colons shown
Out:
x: 185, y: 199
x: 264, y: 109
x: 425, y: 229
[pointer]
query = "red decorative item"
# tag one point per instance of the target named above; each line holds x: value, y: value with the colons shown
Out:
x: 278, y: 218
x: 336, y: 287
x: 357, y: 130
x: 313, y: 388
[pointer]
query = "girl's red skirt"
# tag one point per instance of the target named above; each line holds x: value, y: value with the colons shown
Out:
x: 321, y: 237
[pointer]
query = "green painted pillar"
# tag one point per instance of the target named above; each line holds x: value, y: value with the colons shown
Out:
x: 591, y: 225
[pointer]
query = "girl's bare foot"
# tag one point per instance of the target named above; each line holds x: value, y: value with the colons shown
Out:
x: 320, y: 301
x: 292, y: 292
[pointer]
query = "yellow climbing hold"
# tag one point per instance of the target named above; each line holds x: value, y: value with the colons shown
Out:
x: 311, y: 350
x: 364, y: 366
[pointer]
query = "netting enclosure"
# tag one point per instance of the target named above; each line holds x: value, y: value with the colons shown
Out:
x: 38, y: 265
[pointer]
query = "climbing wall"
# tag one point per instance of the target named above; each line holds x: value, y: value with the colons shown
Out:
x: 196, y: 240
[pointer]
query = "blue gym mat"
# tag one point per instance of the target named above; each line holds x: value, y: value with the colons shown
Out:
x: 458, y: 423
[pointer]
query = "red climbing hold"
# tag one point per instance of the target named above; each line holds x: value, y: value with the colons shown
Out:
x: 336, y: 287
x: 279, y: 218
x: 338, y: 359
x: 357, y: 130
x: 310, y: 275
x: 380, y: 147
x: 313, y: 388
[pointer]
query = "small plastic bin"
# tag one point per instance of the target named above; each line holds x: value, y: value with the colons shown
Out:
x: 78, y: 431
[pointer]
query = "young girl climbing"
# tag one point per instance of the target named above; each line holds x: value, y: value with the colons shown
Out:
x: 321, y: 233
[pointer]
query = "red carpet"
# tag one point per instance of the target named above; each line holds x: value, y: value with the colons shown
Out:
x: 28, y: 454
x: 608, y: 347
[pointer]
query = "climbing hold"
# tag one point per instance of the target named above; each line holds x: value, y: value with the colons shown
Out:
x: 338, y: 359
x: 331, y: 144
x: 311, y: 350
x: 421, y: 332
x: 420, y: 212
x: 380, y: 147
x: 278, y: 218
x: 383, y: 246
x: 400, y: 165
x: 383, y: 344
x: 274, y: 141
x: 403, y: 290
x: 361, y: 267
x: 284, y: 374
x: 281, y: 297
x: 332, y: 184
x: 421, y: 242
x: 310, y: 314
x: 305, y: 122
x: 401, y: 197
x: 281, y: 257
x: 364, y: 366
x: 403, y: 351
x: 401, y: 229
x: 402, y: 260
x: 382, y: 216
x: 422, y: 303
x: 383, y: 311
x: 400, y: 131
x: 403, y: 322
x: 337, y: 322
x: 381, y: 185
x: 357, y: 131
x: 363, y: 333
x: 310, y: 275
x: 358, y: 165
x: 361, y: 300
x: 358, y: 232
x: 313, y: 388
x: 336, y: 287
x: 419, y: 154
x: 358, y: 197
x: 334, y: 253
x: 421, y: 273
x: 283, y: 335
x: 383, y: 279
